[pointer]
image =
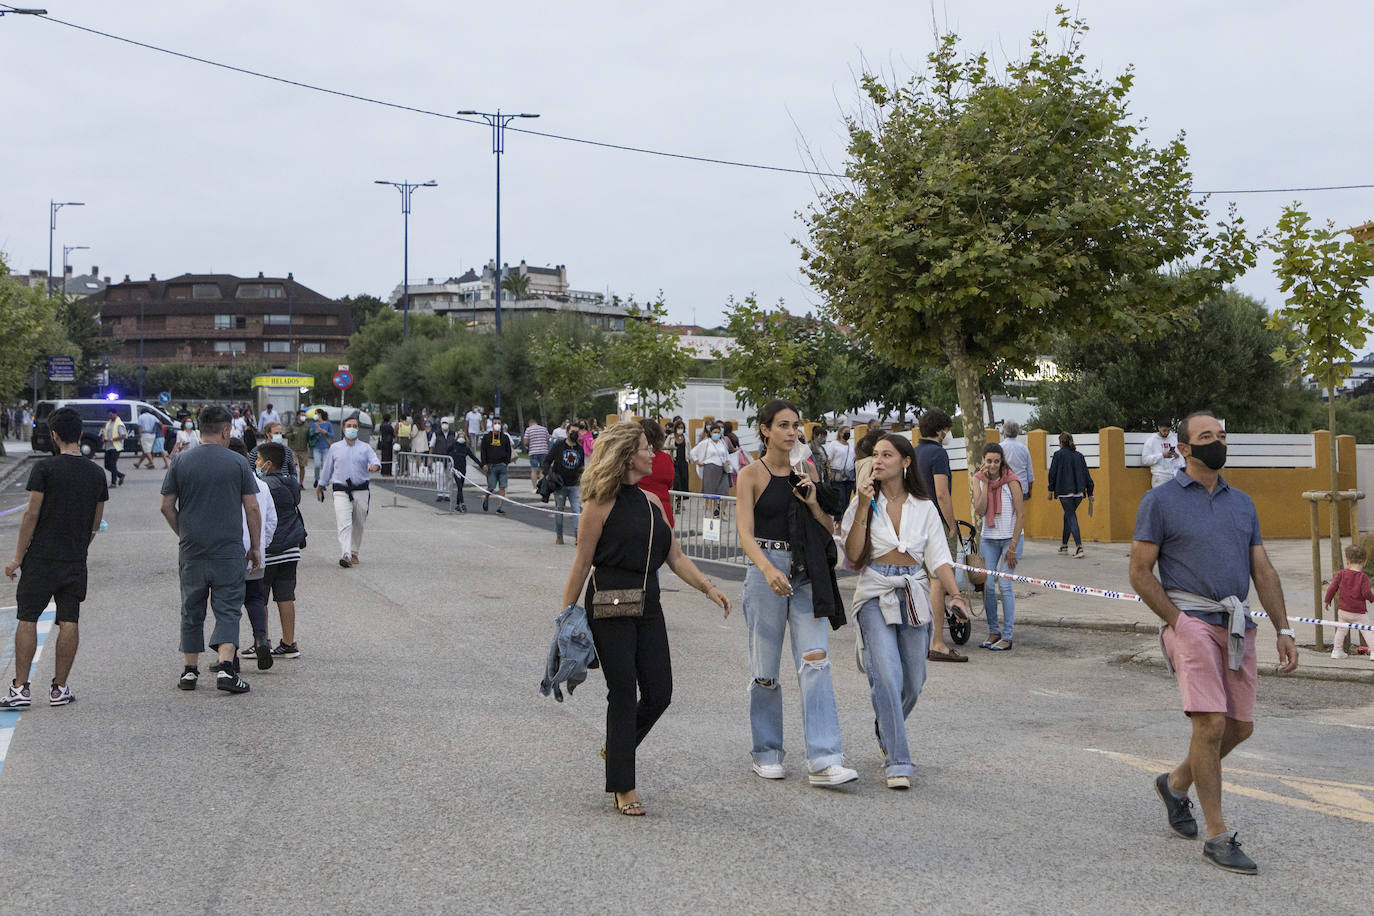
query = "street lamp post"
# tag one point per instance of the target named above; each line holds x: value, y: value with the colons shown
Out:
x: 407, y: 189
x: 66, y: 250
x: 53, y: 207
x: 498, y: 122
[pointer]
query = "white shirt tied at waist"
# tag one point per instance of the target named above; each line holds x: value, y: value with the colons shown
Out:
x: 1237, y: 611
x: 921, y: 537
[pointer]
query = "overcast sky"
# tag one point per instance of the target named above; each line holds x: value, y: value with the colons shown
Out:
x: 187, y: 168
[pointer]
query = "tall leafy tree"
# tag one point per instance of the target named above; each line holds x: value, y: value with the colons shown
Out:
x: 1324, y: 277
x: 1222, y: 359
x: 650, y: 359
x: 364, y: 307
x: 568, y: 372
x: 983, y: 211
x: 781, y: 355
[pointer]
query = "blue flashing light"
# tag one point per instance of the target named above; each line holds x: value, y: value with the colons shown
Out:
x: 112, y: 396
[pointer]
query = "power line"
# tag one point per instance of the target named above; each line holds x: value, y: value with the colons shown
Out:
x: 567, y: 139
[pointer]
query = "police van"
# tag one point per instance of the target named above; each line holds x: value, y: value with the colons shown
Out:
x: 94, y: 413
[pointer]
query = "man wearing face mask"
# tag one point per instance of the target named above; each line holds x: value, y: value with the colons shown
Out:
x: 712, y: 457
x: 348, y: 468
x: 495, y: 456
x: 1204, y: 535
x: 440, y: 441
x: 298, y: 441
x: 272, y: 432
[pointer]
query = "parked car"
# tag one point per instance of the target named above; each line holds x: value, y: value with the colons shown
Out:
x: 337, y: 416
x: 94, y: 413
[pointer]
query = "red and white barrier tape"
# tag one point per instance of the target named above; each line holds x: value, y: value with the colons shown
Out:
x: 1127, y: 596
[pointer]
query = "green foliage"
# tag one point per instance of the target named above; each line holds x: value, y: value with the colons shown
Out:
x: 983, y: 211
x: 517, y: 284
x: 568, y: 373
x: 860, y: 376
x: 26, y: 320
x: 364, y: 307
x: 1220, y: 360
x: 1324, y: 278
x: 649, y: 358
x: 781, y: 355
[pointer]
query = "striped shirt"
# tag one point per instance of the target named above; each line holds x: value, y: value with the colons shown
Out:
x: 537, y: 439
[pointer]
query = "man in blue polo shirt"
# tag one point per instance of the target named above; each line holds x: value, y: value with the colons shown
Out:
x: 1205, y: 537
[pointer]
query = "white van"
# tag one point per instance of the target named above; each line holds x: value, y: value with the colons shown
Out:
x: 94, y: 414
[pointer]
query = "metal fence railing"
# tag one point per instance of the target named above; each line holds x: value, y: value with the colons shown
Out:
x: 423, y: 471
x: 704, y: 526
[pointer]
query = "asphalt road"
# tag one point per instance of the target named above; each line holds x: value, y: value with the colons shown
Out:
x: 407, y: 763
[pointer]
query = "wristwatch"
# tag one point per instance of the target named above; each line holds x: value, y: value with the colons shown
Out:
x: 1285, y: 632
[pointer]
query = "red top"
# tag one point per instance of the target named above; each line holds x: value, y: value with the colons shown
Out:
x: 1354, y: 588
x: 660, y: 481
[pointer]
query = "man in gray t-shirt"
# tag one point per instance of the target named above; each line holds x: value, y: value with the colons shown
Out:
x: 205, y: 495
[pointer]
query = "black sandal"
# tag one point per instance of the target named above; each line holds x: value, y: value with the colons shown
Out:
x: 988, y: 643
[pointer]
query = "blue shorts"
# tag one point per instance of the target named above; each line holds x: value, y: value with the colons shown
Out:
x: 497, y: 476
x: 537, y: 459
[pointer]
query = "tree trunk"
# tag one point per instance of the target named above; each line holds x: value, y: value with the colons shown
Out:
x: 987, y: 398
x: 966, y: 378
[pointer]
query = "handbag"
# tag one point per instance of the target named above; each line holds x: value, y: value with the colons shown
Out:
x: 624, y: 602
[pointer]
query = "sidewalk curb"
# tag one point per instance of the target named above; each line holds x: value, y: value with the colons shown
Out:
x: 1090, y: 623
x: 14, y: 470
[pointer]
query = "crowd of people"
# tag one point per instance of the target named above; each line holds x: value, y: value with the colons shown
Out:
x: 882, y: 506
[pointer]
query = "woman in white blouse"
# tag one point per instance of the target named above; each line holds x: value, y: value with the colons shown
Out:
x: 187, y: 438
x: 712, y: 457
x: 893, y: 534
x: 997, y: 497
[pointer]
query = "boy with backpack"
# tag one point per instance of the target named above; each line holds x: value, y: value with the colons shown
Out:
x: 284, y: 552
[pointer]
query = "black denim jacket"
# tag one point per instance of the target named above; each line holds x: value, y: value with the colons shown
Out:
x: 814, y: 554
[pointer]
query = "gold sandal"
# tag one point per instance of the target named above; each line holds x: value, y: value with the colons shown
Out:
x: 629, y: 809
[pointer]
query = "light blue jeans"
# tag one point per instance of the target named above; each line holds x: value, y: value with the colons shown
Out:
x: 767, y: 615
x: 571, y: 498
x: 895, y: 660
x: 994, y: 551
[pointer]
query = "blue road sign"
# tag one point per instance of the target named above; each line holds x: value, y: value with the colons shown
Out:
x: 164, y: 397
x: 61, y: 369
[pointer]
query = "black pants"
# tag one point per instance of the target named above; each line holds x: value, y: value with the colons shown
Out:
x: 634, y: 653
x: 844, y: 489
x: 112, y: 465
x: 1070, y: 506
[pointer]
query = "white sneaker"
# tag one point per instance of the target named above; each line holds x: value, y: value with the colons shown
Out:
x: 833, y: 775
x: 899, y: 782
x: 769, y: 770
x: 1339, y: 654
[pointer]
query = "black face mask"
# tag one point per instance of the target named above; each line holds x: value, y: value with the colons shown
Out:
x: 1213, y: 454
x: 844, y: 437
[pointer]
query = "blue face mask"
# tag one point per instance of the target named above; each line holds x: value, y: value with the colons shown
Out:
x: 715, y: 437
x: 351, y: 433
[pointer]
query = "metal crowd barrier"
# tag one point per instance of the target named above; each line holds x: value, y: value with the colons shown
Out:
x: 423, y: 471
x: 704, y: 526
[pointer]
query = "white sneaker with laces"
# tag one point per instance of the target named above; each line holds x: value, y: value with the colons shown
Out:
x: 60, y: 695
x: 18, y: 697
x: 769, y: 770
x: 833, y: 775
x: 1339, y: 654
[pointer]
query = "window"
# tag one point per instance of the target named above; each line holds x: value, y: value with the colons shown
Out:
x: 260, y: 291
x: 205, y: 291
x: 312, y: 348
x: 228, y: 322
x: 276, y: 346
x: 230, y: 346
x: 276, y: 319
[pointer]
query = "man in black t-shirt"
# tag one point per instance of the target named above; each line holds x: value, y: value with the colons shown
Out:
x: 932, y: 461
x: 566, y: 461
x: 66, y: 496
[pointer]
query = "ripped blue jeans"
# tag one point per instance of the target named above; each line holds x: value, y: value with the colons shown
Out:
x: 767, y: 615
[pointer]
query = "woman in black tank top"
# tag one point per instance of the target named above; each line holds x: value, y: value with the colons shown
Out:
x: 624, y: 535
x: 789, y: 585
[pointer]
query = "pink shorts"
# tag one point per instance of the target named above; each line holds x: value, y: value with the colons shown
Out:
x: 1198, y: 653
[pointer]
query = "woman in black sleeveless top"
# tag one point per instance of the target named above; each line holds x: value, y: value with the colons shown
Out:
x: 614, y: 534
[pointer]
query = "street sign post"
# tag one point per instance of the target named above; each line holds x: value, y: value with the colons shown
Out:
x: 61, y: 369
x: 343, y: 379
x: 164, y: 397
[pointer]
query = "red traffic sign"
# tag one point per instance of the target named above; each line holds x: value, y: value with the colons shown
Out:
x: 342, y: 379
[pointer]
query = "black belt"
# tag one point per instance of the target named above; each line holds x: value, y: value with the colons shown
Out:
x: 349, y: 486
x: 767, y: 544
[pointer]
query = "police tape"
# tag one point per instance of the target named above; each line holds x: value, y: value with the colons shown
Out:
x: 1127, y: 596
x: 520, y: 503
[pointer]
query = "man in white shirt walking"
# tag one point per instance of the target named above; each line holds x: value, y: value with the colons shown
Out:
x: 1160, y: 454
x: 348, y: 469
x: 473, y: 418
x: 841, y: 455
x: 268, y: 416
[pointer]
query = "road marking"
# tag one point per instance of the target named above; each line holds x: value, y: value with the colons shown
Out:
x: 1351, y: 801
x: 9, y: 718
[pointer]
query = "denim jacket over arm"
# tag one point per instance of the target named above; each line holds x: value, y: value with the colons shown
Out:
x: 570, y: 654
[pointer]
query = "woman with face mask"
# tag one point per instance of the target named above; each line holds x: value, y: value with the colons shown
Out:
x: 712, y: 457
x: 997, y: 498
x: 1069, y: 482
x: 678, y: 447
x: 274, y: 432
x: 187, y: 437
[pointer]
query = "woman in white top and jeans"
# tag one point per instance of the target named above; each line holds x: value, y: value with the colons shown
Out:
x: 893, y: 534
x: 997, y: 497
